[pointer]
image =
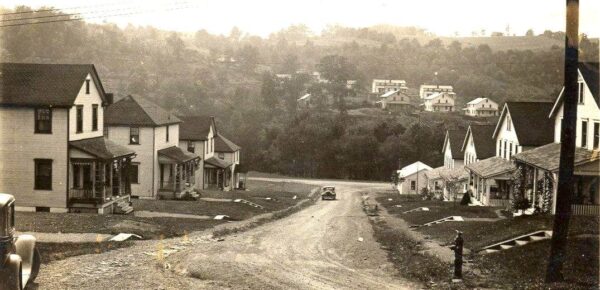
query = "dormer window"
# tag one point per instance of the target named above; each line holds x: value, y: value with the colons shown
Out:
x: 87, y: 87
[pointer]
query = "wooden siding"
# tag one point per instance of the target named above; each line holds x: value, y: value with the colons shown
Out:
x: 87, y: 101
x: 19, y: 146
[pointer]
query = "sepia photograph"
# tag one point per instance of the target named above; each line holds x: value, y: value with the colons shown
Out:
x: 285, y: 144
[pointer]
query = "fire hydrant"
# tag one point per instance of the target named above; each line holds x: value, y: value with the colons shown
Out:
x: 458, y: 255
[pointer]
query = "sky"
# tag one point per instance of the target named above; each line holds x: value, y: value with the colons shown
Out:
x: 262, y: 17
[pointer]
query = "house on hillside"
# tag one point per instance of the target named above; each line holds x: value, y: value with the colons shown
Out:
x: 448, y: 184
x: 53, y: 157
x: 439, y: 102
x: 199, y: 134
x: 537, y: 175
x: 428, y: 90
x: 161, y: 167
x: 229, y: 152
x: 412, y: 179
x: 397, y: 101
x: 453, y: 154
x: 481, y: 107
x: 380, y: 87
x: 515, y: 132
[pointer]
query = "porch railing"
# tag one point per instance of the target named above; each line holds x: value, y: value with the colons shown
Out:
x: 84, y: 194
x: 585, y: 209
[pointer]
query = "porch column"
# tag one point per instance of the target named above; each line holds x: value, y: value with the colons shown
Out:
x: 93, y: 173
x: 102, y: 178
x: 120, y: 175
x: 110, y: 176
x: 535, y: 175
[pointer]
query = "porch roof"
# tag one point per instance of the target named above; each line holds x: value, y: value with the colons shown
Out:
x: 491, y: 167
x: 216, y: 162
x: 547, y: 157
x: 101, y: 148
x: 176, y: 155
x: 447, y: 174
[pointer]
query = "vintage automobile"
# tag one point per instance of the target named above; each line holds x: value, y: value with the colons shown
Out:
x: 328, y: 192
x: 19, y: 257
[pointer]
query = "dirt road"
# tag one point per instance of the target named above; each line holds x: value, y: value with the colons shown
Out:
x: 326, y: 246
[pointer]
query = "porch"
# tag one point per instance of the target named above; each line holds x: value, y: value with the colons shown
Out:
x: 177, y: 172
x: 490, y: 181
x: 99, y: 175
x: 217, y: 174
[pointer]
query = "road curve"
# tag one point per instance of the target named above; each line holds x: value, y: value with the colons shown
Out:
x: 316, y: 248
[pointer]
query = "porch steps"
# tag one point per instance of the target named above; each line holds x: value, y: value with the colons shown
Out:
x: 123, y: 207
x: 454, y: 218
x: 249, y: 203
x: 517, y: 241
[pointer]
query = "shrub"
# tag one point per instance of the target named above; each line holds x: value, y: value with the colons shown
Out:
x: 466, y: 199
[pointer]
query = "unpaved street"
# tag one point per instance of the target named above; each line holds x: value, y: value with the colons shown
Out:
x: 326, y: 246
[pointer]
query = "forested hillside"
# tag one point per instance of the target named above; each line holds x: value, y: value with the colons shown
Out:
x: 231, y: 77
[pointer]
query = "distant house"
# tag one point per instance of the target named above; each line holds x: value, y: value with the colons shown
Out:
x: 439, y: 102
x: 351, y: 84
x: 481, y: 107
x: 199, y: 134
x: 230, y: 153
x: 53, y: 156
x: 428, y: 90
x: 304, y: 101
x: 412, y: 179
x: 453, y: 154
x: 396, y: 101
x: 539, y: 167
x: 515, y: 132
x: 383, y: 86
x: 478, y: 143
x: 161, y: 167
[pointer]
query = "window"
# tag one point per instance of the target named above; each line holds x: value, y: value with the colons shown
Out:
x: 105, y: 132
x: 596, y: 135
x: 43, y: 120
x: 79, y: 119
x: 584, y: 129
x: 167, y: 136
x: 510, y: 149
x: 580, y: 95
x: 191, y: 146
x: 221, y: 155
x: 94, y: 117
x: 413, y: 185
x: 87, y: 87
x: 134, y: 173
x: 508, y: 123
x: 505, y: 154
x: 134, y: 135
x: 43, y: 174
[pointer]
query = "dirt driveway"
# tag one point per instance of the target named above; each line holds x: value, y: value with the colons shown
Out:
x: 326, y: 246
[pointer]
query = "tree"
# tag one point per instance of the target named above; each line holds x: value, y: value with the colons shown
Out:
x: 529, y: 32
x: 268, y: 91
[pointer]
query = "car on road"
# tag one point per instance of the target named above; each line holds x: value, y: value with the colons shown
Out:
x: 19, y: 257
x: 328, y: 192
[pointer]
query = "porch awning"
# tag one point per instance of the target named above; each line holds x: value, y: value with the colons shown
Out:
x: 447, y: 174
x: 491, y: 167
x: 547, y: 157
x: 216, y: 162
x: 101, y: 148
x: 174, y: 154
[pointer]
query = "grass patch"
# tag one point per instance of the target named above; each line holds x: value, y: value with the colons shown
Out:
x: 57, y: 251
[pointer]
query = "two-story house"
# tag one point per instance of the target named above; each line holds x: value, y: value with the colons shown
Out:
x: 453, y: 154
x: 428, y: 90
x: 383, y: 86
x: 396, y: 101
x: 481, y: 107
x: 230, y: 153
x: 161, y: 167
x: 538, y: 168
x: 439, y: 102
x: 53, y: 156
x: 199, y: 134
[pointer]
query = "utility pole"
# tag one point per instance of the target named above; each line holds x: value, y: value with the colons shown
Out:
x: 558, y: 250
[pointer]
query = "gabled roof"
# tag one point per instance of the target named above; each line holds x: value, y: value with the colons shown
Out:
x: 589, y: 73
x: 137, y: 111
x: 101, y: 148
x: 456, y: 138
x: 530, y: 122
x: 485, y: 145
x: 433, y: 96
x: 34, y: 84
x: 413, y: 168
x: 196, y: 128
x: 491, y: 167
x: 223, y: 144
x: 547, y: 157
x: 479, y: 100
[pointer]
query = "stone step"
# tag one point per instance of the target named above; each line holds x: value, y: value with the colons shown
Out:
x: 518, y: 241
